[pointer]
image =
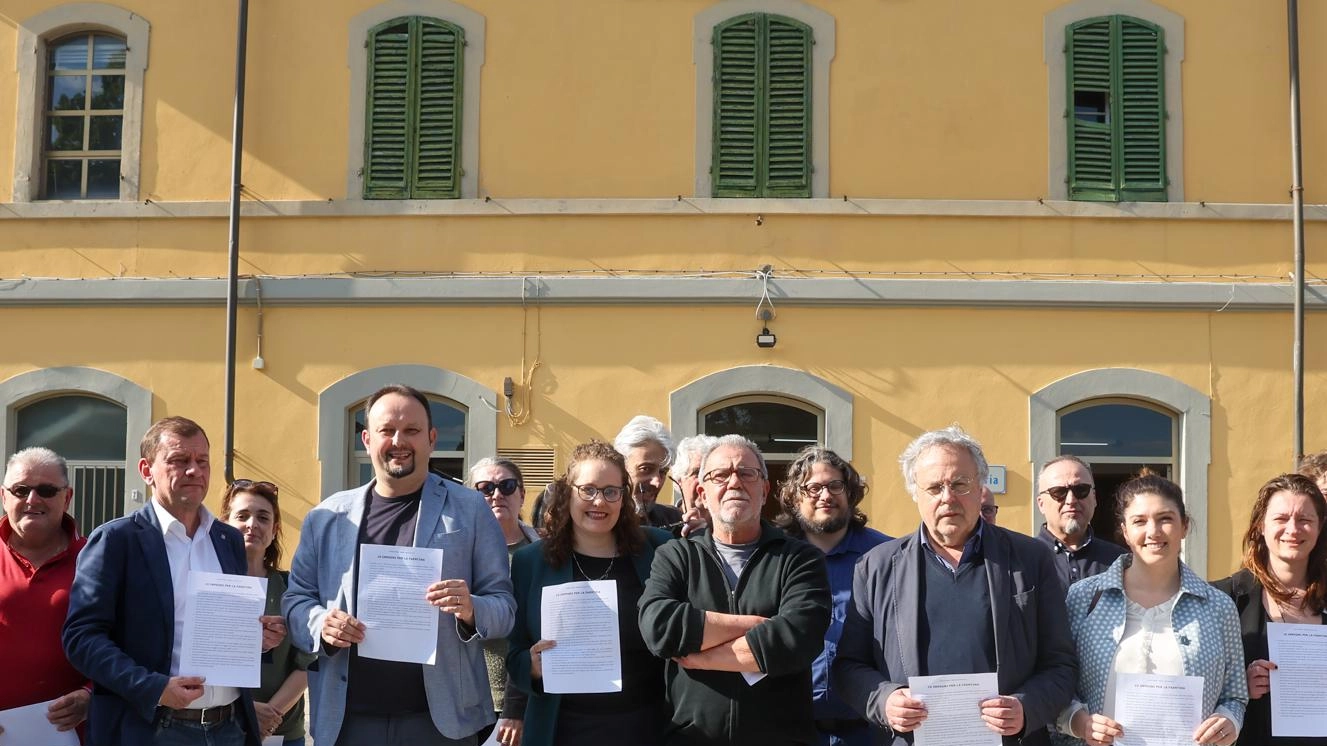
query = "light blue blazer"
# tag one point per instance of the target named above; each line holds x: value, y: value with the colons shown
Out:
x: 1206, y: 626
x: 322, y: 575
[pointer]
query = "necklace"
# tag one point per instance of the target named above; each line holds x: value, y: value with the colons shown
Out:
x: 586, y: 574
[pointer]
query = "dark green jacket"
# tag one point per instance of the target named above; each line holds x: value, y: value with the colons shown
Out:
x: 530, y: 574
x: 786, y: 581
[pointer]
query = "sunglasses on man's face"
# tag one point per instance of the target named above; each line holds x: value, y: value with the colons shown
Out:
x: 45, y: 491
x: 1059, y: 494
x: 505, y: 487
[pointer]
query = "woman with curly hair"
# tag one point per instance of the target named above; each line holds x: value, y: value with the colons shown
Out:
x: 588, y: 536
x: 1284, y: 579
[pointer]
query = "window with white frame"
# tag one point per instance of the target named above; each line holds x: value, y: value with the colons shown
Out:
x: 81, y: 68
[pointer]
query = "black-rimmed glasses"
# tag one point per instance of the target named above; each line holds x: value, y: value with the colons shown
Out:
x: 589, y: 492
x: 813, y: 489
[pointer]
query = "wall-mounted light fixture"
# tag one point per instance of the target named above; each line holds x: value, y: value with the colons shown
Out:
x: 766, y: 338
x: 765, y: 310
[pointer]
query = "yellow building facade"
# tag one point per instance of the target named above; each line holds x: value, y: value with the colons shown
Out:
x: 943, y: 252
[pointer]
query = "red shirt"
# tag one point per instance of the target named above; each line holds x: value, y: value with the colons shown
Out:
x: 33, y: 604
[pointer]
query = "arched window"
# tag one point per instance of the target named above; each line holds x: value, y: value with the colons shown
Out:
x: 1117, y: 438
x: 89, y: 432
x: 780, y: 427
x: 447, y: 458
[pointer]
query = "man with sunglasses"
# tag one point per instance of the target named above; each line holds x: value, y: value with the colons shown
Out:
x: 739, y: 613
x: 36, y: 569
x: 1067, y: 497
x: 500, y: 482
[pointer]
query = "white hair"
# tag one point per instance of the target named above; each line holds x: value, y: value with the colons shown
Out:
x: 733, y: 440
x: 37, y: 456
x: 643, y: 430
x: 953, y: 437
x: 691, y: 449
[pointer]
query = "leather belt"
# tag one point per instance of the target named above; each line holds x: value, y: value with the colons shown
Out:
x: 204, y: 717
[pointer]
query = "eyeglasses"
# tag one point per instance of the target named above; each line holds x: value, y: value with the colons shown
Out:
x: 989, y: 511
x: 589, y: 492
x: 813, y: 489
x: 958, y: 486
x: 45, y: 491
x: 746, y: 474
x: 503, y: 486
x: 245, y: 485
x: 1058, y: 494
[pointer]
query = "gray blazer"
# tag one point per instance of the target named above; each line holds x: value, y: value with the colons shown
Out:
x: 1035, y: 658
x: 452, y: 518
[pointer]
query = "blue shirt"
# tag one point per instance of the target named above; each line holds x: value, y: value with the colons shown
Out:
x: 840, y: 561
x: 971, y: 547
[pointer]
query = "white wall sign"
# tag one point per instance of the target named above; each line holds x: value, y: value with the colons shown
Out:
x: 995, y: 479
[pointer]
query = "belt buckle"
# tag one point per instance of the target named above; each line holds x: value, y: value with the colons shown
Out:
x: 202, y: 717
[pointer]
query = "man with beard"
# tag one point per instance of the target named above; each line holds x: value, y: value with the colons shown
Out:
x: 356, y: 699
x: 738, y: 613
x: 820, y: 500
x: 1068, y: 498
x: 648, y: 448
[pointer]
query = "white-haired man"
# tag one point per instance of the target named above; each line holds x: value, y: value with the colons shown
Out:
x: 36, y: 570
x: 647, y: 447
x: 957, y: 596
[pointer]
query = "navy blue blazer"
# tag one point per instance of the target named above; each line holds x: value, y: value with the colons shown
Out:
x: 121, y: 625
x: 1035, y: 658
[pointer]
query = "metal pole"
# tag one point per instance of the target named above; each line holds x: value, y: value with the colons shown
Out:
x: 1297, y: 200
x: 232, y: 284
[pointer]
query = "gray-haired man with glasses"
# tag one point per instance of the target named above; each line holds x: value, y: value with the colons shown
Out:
x: 1067, y: 497
x: 739, y: 612
x: 957, y: 596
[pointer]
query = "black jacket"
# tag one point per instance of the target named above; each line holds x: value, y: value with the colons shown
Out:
x: 786, y: 581
x: 1246, y: 592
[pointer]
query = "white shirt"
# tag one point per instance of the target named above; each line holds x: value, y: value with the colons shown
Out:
x: 185, y: 554
x: 1147, y: 646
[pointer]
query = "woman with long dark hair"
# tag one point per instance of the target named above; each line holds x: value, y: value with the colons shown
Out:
x: 1283, y: 579
x: 589, y: 535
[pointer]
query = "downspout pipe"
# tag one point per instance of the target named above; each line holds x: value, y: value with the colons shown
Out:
x: 232, y: 279
x: 1297, y: 202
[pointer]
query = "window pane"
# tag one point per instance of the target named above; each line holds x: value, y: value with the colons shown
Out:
x: 104, y: 178
x: 67, y: 92
x: 450, y: 423
x: 66, y: 133
x: 104, y: 133
x: 452, y: 467
x: 108, y: 91
x: 64, y: 179
x: 71, y: 54
x: 80, y: 428
x: 774, y: 427
x: 108, y: 52
x: 1117, y: 430
x: 98, y: 494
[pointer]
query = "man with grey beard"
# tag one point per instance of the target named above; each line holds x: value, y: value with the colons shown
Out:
x: 1068, y: 498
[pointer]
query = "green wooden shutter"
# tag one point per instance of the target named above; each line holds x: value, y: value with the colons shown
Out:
x: 437, y: 171
x: 788, y: 127
x: 1123, y: 158
x: 1142, y: 120
x: 1091, y: 144
x: 388, y: 129
x: 762, y: 107
x: 738, y: 103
